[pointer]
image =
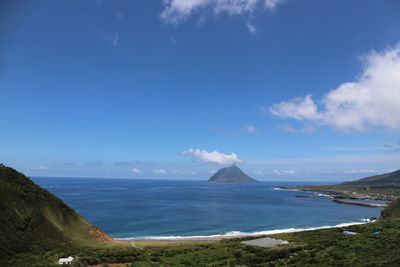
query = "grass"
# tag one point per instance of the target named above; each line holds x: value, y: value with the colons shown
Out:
x: 324, y: 247
x: 384, y: 192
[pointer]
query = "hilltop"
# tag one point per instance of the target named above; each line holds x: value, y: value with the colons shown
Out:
x: 386, y: 178
x: 33, y: 219
x: 232, y: 174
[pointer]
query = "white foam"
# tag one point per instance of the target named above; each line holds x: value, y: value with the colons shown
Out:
x: 287, y: 189
x: 239, y: 233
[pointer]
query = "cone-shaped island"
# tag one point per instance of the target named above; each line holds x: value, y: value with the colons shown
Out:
x: 232, y: 174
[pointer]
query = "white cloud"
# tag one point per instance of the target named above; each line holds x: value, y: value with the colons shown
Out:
x: 251, y: 129
x: 298, y: 108
x: 97, y: 163
x: 180, y: 172
x: 371, y: 101
x: 136, y: 170
x: 160, y: 171
x: 362, y: 171
x: 111, y: 38
x: 259, y: 173
x: 40, y: 168
x: 290, y: 129
x: 176, y: 11
x: 289, y: 172
x: 212, y: 157
x: 251, y: 28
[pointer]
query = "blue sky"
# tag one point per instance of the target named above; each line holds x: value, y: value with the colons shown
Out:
x: 287, y: 90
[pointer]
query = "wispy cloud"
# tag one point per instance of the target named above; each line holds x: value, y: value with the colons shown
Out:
x: 111, y: 38
x: 392, y: 148
x: 350, y: 148
x: 136, y: 170
x: 290, y: 129
x: 120, y: 16
x: 160, y: 171
x: 371, y: 101
x: 127, y: 163
x: 247, y: 129
x: 212, y: 157
x: 332, y: 159
x: 362, y: 171
x: 284, y: 172
x: 251, y: 28
x: 180, y: 172
x: 176, y: 11
x: 96, y: 163
x: 259, y: 173
x: 40, y: 168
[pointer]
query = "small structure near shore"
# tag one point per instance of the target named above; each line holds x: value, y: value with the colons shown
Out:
x: 65, y: 260
x: 265, y: 242
x: 349, y: 233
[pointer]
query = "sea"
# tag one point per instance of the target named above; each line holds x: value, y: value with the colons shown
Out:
x: 133, y: 208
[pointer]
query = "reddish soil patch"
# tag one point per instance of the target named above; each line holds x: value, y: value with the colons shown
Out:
x: 99, y: 234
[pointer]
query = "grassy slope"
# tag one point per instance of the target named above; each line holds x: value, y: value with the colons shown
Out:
x: 34, y: 220
x: 392, y: 178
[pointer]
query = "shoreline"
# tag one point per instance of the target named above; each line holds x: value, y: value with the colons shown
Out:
x: 213, y: 238
x: 334, y: 194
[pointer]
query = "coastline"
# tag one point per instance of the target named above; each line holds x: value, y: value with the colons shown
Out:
x: 231, y: 235
x: 338, y: 197
x: 345, y: 194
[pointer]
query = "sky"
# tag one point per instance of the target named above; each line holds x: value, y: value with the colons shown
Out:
x: 176, y: 89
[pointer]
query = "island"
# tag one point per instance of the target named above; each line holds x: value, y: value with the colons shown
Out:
x: 231, y: 174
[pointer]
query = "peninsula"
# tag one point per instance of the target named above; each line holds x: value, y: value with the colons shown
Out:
x: 384, y: 187
x: 232, y: 174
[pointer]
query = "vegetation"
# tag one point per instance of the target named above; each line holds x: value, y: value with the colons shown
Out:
x: 36, y: 228
x: 326, y: 247
x: 392, y: 211
x: 33, y: 220
x: 391, y: 178
x: 384, y: 187
x: 232, y: 174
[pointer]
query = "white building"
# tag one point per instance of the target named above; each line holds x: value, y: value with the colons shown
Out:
x: 65, y: 260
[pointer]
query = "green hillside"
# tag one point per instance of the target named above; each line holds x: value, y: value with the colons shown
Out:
x: 33, y: 219
x: 387, y: 178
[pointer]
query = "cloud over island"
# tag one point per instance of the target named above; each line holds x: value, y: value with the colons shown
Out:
x: 212, y: 157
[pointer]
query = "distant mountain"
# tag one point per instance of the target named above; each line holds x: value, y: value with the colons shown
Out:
x: 387, y: 178
x: 33, y: 219
x: 232, y: 174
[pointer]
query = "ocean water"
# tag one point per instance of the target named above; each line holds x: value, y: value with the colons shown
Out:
x: 127, y: 208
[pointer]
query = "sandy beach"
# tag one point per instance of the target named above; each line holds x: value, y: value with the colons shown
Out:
x: 214, y: 238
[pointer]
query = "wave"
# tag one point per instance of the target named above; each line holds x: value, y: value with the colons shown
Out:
x: 242, y: 234
x: 286, y: 189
